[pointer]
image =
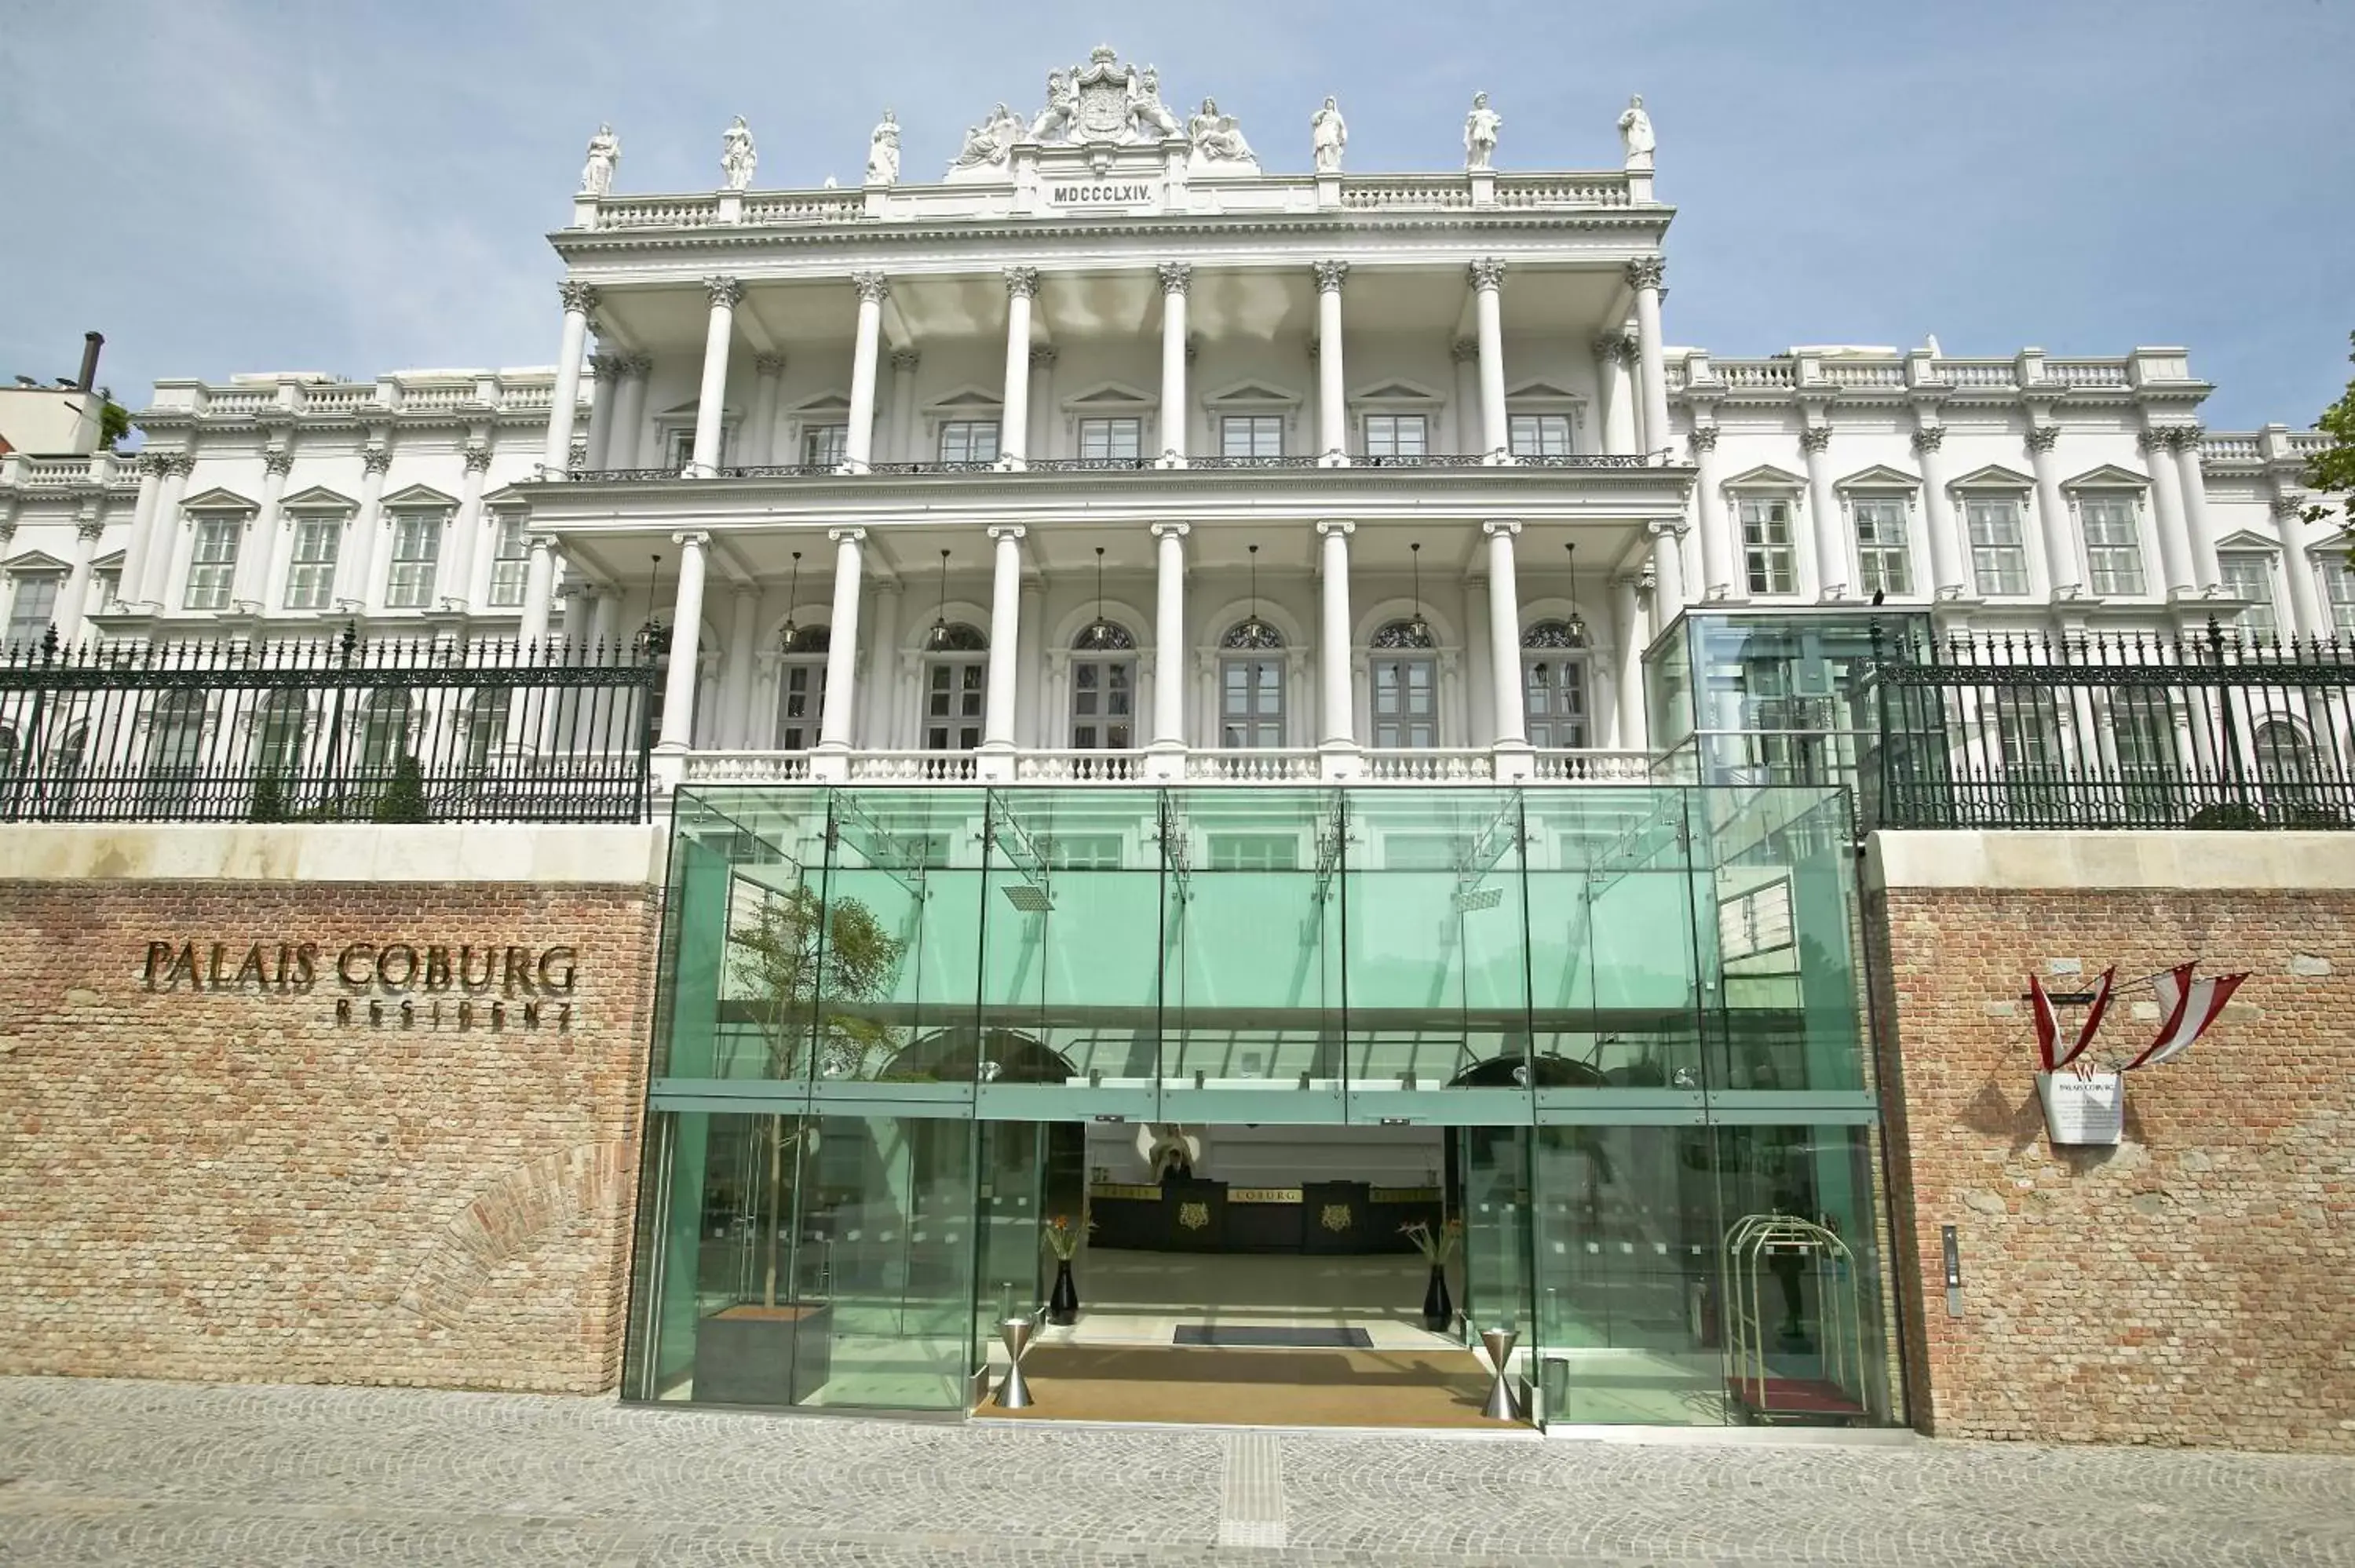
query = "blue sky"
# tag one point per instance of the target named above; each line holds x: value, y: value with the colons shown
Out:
x: 226, y: 186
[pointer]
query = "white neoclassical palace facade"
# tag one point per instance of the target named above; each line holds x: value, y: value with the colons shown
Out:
x: 1113, y: 452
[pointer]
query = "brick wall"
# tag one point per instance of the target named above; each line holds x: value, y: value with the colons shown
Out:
x: 2193, y: 1285
x: 207, y: 1175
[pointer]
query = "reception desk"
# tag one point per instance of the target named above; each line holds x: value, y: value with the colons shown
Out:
x: 1194, y: 1215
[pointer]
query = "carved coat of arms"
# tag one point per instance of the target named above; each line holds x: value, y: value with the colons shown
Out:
x: 1194, y: 1216
x: 1335, y: 1218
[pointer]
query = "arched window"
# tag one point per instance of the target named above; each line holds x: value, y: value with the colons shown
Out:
x: 278, y: 735
x: 384, y: 732
x: 1405, y: 686
x: 1553, y: 684
x: 801, y: 686
x: 487, y: 726
x: 174, y: 749
x: 1103, y: 687
x: 956, y: 685
x: 1251, y: 686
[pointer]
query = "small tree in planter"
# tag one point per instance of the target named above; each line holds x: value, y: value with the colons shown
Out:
x: 403, y: 801
x: 269, y: 804
x: 795, y: 954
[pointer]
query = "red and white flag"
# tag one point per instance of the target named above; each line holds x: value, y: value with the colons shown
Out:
x: 2048, y: 1023
x: 2188, y: 1007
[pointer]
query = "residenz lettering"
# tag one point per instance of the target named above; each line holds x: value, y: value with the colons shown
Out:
x: 1099, y: 195
x: 399, y: 985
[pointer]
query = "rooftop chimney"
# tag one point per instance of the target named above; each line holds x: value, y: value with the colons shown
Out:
x: 91, y: 342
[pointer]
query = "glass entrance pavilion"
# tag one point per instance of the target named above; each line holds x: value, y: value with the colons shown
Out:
x: 1632, y: 1017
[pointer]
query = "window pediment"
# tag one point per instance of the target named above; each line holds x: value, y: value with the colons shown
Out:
x: 218, y: 500
x: 2109, y: 476
x: 109, y: 562
x: 1539, y: 393
x: 1766, y: 476
x: 1111, y: 398
x: 319, y: 498
x: 1994, y: 476
x: 825, y: 405
x: 966, y: 402
x: 1396, y: 394
x: 2243, y: 539
x: 33, y: 564
x: 418, y: 497
x: 1243, y: 395
x: 1879, y: 476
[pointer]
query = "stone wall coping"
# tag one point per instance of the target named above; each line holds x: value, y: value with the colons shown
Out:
x: 2256, y: 862
x: 572, y: 855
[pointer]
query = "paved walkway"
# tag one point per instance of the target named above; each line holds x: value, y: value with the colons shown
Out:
x: 95, y: 1472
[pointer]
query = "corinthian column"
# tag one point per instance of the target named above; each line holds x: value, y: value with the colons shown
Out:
x: 1014, y: 415
x: 1338, y: 720
x: 1005, y: 627
x: 2167, y: 508
x: 1487, y: 282
x: 686, y: 638
x: 1950, y: 569
x: 579, y: 299
x: 1332, y: 385
x: 1177, y: 278
x: 711, y: 401
x: 2061, y: 555
x: 2207, y: 574
x: 1830, y: 531
x: 1505, y: 637
x: 1644, y: 275
x: 1169, y: 635
x: 1717, y: 556
x: 842, y: 648
x: 858, y: 440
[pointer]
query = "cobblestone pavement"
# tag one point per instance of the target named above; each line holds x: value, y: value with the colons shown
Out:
x: 101, y: 1472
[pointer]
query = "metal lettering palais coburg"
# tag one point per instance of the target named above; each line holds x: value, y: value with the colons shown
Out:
x: 396, y: 985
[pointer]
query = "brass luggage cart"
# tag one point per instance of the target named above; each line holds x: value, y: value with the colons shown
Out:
x: 1781, y: 1258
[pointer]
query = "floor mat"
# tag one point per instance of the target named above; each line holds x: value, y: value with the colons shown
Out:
x: 1242, y: 1338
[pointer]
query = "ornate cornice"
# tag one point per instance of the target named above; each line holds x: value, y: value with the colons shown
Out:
x: 1648, y: 271
x: 579, y: 298
x: 1177, y: 276
x: 1486, y: 273
x: 873, y: 288
x: 1021, y: 282
x: 727, y: 292
x: 1330, y: 275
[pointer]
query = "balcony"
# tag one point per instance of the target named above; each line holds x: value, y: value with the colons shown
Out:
x: 1475, y: 461
x: 1300, y: 765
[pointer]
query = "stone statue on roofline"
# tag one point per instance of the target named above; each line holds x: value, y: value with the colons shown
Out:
x: 737, y: 157
x: 1480, y: 128
x: 883, y: 153
x: 1217, y: 141
x: 1055, y: 121
x: 1146, y: 113
x: 987, y: 145
x: 1328, y: 134
x: 1635, y: 133
x: 604, y: 152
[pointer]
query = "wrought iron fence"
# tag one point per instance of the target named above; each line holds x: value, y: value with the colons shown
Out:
x: 2111, y: 730
x: 333, y: 729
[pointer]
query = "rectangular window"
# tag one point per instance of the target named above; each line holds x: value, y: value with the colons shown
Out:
x: 2250, y: 576
x: 1539, y: 435
x: 1882, y: 563
x: 1251, y: 434
x: 416, y: 547
x: 2339, y: 582
x: 825, y: 446
x: 2112, y: 544
x: 1396, y: 435
x: 1766, y: 543
x: 1108, y: 440
x: 1084, y: 851
x: 33, y: 607
x: 510, y: 564
x: 311, y: 577
x: 108, y: 587
x: 212, y: 566
x: 1254, y: 851
x: 1998, y: 558
x: 968, y: 440
x: 954, y: 692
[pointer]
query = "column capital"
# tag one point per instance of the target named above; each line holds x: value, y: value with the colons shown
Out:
x: 538, y: 540
x: 1177, y: 276
x: 906, y: 360
x: 87, y: 527
x: 1704, y: 438
x: 1043, y: 355
x: 1332, y: 525
x: 1022, y: 282
x: 2185, y: 437
x: 690, y: 541
x: 1505, y: 526
x: 153, y: 464
x: 769, y: 363
x: 1486, y: 273
x: 1009, y: 531
x: 478, y: 459
x: 1816, y: 439
x: 376, y: 459
x: 873, y: 288
x: 1647, y: 272
x: 846, y: 535
x: 1330, y: 275
x: 1929, y: 438
x: 725, y: 292
x: 604, y: 368
x: 1171, y: 530
x: 279, y: 464
x: 634, y: 365
x: 2043, y: 438
x: 1659, y: 527
x: 180, y: 463
x: 1464, y: 350
x: 579, y: 298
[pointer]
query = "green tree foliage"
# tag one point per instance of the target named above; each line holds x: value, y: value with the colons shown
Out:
x: 806, y: 969
x: 403, y: 799
x: 2332, y: 470
x: 270, y: 804
x: 114, y: 424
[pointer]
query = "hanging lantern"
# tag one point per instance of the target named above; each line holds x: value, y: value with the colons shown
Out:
x: 653, y: 640
x: 1254, y: 633
x: 1099, y: 634
x: 1418, y: 627
x: 939, y: 637
x: 1575, y: 621
x: 792, y: 633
